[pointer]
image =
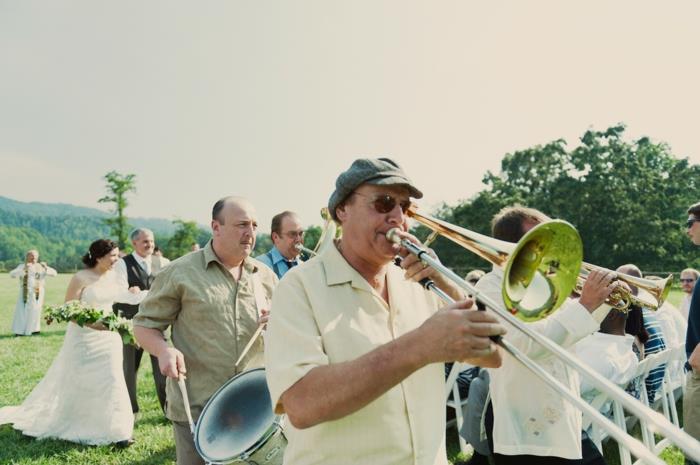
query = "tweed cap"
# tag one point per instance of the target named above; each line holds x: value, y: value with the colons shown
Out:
x: 376, y: 171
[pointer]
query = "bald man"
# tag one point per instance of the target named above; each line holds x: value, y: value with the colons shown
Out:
x: 214, y: 299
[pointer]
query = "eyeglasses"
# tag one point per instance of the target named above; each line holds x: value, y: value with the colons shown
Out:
x: 689, y: 223
x: 386, y: 203
x: 686, y: 280
x: 294, y: 234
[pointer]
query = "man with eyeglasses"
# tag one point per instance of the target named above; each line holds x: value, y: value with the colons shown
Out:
x: 354, y: 353
x: 691, y: 399
x: 286, y: 233
x: 688, y: 278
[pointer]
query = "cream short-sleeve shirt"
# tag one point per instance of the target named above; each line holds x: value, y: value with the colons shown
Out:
x: 325, y: 312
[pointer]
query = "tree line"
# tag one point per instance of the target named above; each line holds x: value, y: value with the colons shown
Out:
x: 627, y: 199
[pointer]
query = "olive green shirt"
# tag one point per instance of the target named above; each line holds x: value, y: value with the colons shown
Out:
x: 212, y: 318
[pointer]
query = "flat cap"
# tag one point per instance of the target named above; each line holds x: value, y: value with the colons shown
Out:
x: 376, y: 171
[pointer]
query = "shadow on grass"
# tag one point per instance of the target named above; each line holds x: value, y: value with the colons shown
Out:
x: 14, y: 445
x: 41, y: 335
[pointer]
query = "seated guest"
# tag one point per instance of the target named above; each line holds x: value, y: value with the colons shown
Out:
x: 634, y: 326
x: 673, y: 329
x: 609, y: 352
x: 287, y: 233
x: 689, y: 277
x: 655, y: 342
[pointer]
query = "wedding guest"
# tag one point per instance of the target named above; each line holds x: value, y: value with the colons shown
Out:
x: 158, y: 260
x: 138, y: 269
x: 32, y: 275
x: 689, y: 277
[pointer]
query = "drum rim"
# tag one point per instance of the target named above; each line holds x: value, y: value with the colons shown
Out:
x: 276, y: 423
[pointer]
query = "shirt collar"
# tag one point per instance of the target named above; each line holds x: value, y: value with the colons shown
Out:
x: 140, y: 259
x: 339, y: 271
x: 277, y: 256
x: 209, y: 257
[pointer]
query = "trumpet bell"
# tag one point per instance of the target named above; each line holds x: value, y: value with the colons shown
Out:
x: 542, y: 270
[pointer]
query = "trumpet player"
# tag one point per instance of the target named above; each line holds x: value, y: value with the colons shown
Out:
x: 287, y: 235
x: 354, y: 353
x: 529, y: 422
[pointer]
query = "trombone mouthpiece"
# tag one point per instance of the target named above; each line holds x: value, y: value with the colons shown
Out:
x: 392, y: 235
x: 299, y: 247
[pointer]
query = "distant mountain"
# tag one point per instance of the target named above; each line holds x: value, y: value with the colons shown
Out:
x: 61, y: 232
x: 63, y: 210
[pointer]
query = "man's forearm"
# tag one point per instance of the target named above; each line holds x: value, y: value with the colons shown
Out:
x: 151, y: 340
x: 334, y: 391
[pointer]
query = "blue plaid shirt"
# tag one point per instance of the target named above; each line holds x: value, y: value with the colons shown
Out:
x: 653, y: 345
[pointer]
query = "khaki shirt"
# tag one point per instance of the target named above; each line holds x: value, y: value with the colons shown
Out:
x: 325, y: 312
x: 212, y: 317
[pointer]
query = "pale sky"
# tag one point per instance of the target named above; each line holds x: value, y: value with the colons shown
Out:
x: 273, y: 99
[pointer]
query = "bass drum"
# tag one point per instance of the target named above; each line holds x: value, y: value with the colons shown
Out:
x: 238, y: 425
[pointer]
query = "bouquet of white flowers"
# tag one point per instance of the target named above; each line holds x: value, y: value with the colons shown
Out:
x: 82, y: 314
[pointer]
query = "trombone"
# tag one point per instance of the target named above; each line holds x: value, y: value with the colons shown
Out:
x: 531, y: 261
x: 327, y: 235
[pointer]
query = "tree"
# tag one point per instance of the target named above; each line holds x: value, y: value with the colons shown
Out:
x: 118, y: 185
x: 627, y: 199
x: 186, y: 233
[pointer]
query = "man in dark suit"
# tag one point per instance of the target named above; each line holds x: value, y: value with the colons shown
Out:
x: 138, y: 269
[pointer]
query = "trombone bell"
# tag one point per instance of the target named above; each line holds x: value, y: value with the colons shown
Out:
x: 540, y: 271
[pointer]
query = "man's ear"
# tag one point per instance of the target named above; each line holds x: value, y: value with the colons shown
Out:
x: 340, y: 212
x: 274, y: 236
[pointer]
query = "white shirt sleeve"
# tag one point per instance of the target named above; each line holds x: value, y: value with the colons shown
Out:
x: 17, y: 272
x: 565, y: 326
x: 121, y: 274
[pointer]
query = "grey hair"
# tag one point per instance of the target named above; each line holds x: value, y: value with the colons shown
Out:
x: 138, y: 231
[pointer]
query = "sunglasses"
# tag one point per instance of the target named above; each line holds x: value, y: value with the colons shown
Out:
x: 686, y: 280
x: 386, y: 203
x: 689, y: 223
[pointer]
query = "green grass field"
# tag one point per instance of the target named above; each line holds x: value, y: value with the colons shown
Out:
x: 24, y: 360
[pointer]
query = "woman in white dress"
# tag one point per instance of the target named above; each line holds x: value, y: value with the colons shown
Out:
x: 83, y: 396
x: 30, y: 300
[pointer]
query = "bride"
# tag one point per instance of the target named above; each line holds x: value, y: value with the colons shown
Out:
x: 83, y: 396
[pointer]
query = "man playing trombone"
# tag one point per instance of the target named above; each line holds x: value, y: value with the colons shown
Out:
x: 533, y: 423
x: 354, y: 352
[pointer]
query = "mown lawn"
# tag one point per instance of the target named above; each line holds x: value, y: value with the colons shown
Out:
x: 24, y: 360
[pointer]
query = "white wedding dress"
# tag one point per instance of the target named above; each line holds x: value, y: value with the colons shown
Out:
x: 83, y: 396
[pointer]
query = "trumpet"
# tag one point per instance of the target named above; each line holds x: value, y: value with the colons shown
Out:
x: 519, y: 268
x: 620, y: 299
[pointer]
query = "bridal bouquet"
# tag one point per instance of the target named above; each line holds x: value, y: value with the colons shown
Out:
x: 82, y: 314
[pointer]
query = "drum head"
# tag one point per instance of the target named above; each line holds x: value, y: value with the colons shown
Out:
x: 236, y: 417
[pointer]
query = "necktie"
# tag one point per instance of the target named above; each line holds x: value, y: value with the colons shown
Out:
x: 290, y: 263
